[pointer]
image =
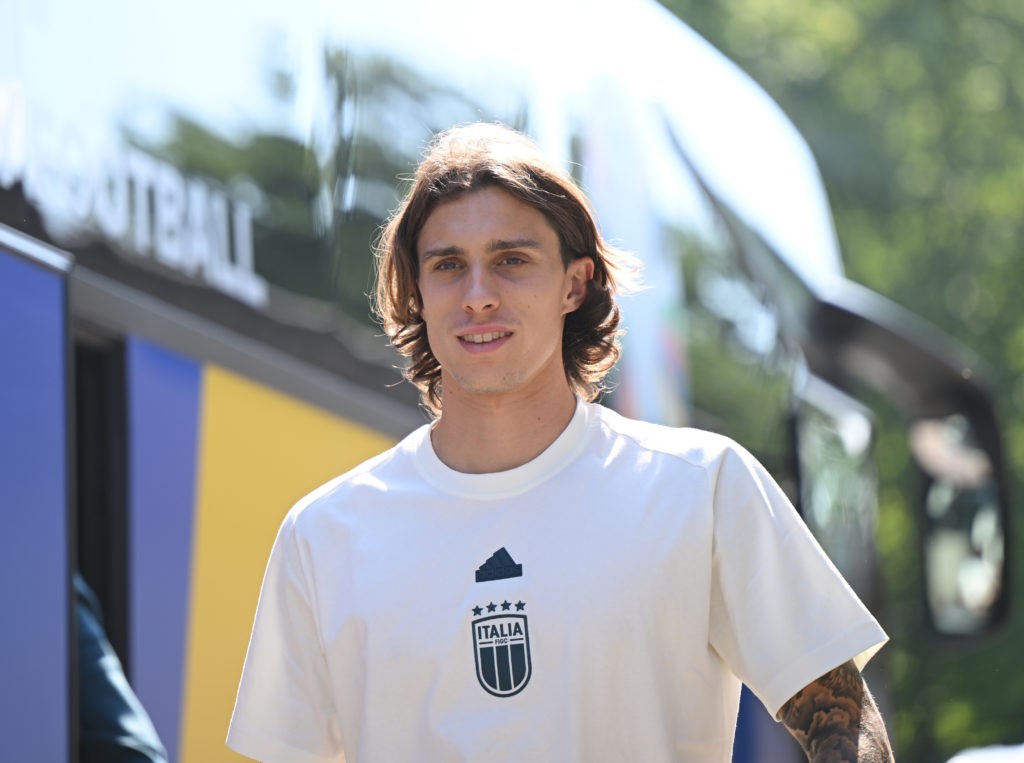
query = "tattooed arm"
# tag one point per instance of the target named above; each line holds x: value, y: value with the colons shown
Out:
x: 835, y: 719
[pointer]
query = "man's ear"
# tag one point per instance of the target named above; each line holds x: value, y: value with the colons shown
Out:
x: 578, y: 274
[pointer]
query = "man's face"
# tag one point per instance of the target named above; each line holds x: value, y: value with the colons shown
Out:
x: 495, y: 294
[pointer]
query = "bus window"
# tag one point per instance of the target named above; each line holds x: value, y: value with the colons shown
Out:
x: 742, y: 371
x: 839, y: 481
x: 706, y: 329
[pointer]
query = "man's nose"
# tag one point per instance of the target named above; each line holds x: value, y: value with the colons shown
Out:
x: 481, y: 290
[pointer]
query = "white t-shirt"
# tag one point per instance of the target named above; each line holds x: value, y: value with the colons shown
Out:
x: 995, y: 754
x: 601, y: 602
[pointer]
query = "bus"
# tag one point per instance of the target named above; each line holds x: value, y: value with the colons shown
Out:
x: 189, y: 195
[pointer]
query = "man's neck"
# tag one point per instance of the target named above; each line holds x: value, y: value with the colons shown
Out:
x: 484, y: 434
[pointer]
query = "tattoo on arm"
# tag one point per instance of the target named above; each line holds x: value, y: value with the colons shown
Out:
x: 835, y: 719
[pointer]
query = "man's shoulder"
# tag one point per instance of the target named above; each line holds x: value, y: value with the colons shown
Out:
x: 364, y: 482
x: 698, y: 447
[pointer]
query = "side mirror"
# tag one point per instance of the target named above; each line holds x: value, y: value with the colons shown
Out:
x: 964, y: 525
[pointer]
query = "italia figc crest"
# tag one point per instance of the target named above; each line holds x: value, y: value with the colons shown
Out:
x: 501, y: 648
x: 501, y: 640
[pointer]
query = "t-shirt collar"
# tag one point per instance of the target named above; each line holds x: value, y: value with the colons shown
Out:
x: 511, y: 482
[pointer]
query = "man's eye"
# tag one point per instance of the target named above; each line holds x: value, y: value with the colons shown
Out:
x: 446, y: 265
x: 512, y: 259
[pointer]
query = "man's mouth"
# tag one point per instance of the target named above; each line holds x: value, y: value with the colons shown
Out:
x: 487, y: 336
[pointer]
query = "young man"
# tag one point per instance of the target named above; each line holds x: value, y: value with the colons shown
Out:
x: 532, y: 577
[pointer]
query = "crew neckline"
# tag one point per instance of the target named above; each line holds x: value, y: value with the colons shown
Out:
x: 497, y: 485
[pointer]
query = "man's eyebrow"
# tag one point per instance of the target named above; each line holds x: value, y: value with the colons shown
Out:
x: 504, y: 244
x: 443, y: 251
x: 497, y: 245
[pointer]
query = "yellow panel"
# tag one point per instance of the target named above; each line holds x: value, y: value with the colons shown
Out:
x: 259, y: 452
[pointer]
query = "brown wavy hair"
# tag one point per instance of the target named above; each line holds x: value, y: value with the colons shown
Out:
x: 482, y: 155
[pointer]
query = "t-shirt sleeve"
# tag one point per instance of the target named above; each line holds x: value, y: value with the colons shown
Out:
x: 284, y: 712
x: 781, y: 613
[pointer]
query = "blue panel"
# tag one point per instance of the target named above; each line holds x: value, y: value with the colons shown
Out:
x: 760, y: 738
x: 163, y: 408
x: 744, y: 748
x: 34, y: 581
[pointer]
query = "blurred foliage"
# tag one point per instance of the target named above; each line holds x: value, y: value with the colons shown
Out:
x: 315, y: 215
x: 914, y: 111
x: 287, y: 250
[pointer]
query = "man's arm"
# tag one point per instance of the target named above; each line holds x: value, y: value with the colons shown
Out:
x: 835, y: 719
